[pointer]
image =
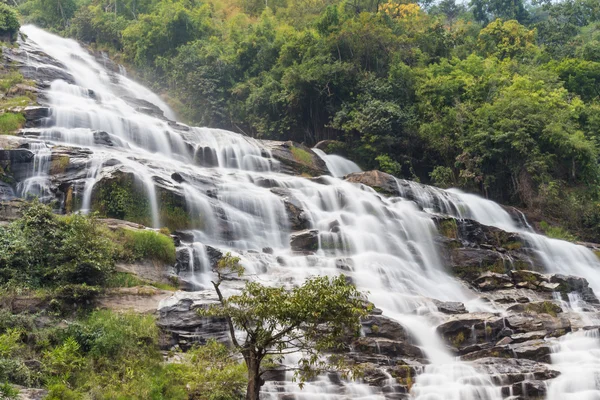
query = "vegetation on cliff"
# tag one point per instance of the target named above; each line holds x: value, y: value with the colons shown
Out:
x: 499, y: 98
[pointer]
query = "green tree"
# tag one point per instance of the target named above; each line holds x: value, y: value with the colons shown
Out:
x: 9, y: 21
x: 312, y: 318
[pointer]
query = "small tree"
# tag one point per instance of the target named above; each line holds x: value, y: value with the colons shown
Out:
x: 9, y: 22
x: 313, y: 318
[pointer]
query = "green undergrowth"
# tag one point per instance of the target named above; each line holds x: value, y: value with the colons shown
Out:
x: 109, y: 355
x: 146, y: 245
x: 12, y: 96
x: 557, y: 232
x: 301, y: 155
x: 127, y: 280
x: 11, y: 122
x: 70, y: 259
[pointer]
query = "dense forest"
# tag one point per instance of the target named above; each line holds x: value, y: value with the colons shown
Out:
x: 498, y: 97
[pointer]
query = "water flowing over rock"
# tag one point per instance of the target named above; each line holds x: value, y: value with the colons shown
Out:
x: 470, y: 302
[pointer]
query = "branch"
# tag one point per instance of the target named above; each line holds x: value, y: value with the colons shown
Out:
x: 227, y: 318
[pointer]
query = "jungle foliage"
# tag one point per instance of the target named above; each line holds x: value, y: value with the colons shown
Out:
x: 499, y: 97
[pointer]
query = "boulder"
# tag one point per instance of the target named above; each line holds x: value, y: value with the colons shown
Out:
x: 450, y: 307
x: 296, y: 158
x: 463, y: 330
x: 178, y: 315
x: 380, y: 181
x: 297, y: 217
x: 384, y: 327
x: 306, y: 241
x: 536, y: 350
x: 493, y: 281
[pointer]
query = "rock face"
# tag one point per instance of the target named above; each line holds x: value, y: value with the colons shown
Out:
x: 179, y: 317
x: 380, y: 181
x: 296, y: 158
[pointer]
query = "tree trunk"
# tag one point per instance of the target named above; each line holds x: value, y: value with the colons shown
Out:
x: 254, y: 380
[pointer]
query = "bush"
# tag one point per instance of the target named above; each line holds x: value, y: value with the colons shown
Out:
x: 42, y: 249
x: 147, y: 245
x: 9, y: 21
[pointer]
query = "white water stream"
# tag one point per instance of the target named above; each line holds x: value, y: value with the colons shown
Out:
x: 387, y: 243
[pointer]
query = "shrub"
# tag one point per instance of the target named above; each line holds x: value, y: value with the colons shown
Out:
x: 147, y: 245
x: 9, y: 21
x: 42, y: 249
x: 557, y: 232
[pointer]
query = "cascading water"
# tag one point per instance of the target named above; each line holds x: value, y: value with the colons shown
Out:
x: 385, y: 245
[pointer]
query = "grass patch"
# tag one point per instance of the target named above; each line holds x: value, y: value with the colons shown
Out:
x: 146, y: 245
x: 10, y: 79
x: 557, y: 232
x: 10, y: 123
x: 127, y: 280
x: 301, y: 155
x: 17, y: 101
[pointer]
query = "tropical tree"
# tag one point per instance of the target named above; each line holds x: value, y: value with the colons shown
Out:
x: 266, y: 323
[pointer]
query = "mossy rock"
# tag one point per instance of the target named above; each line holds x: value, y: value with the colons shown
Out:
x: 121, y: 196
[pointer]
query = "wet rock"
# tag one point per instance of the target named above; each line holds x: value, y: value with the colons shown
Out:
x: 493, y: 281
x: 305, y: 241
x: 145, y: 107
x: 297, y: 217
x: 102, y: 138
x: 536, y: 350
x: 176, y: 176
x: 178, y: 315
x: 206, y: 157
x: 530, y: 389
x: 296, y: 159
x: 486, y: 352
x: 185, y: 236
x: 34, y: 115
x: 539, y: 307
x: 183, y: 260
x: 469, y: 263
x: 513, y: 370
x: 384, y: 327
x: 527, y: 336
x: 6, y: 191
x: 380, y: 181
x: 387, y: 347
x: 568, y: 284
x: 450, y: 307
x: 16, y: 156
x: 528, y: 322
x: 463, y: 330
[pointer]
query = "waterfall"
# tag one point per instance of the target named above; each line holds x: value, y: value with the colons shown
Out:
x: 385, y: 245
x: 337, y: 165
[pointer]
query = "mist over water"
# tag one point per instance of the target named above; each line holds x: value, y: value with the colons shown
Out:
x: 387, y: 244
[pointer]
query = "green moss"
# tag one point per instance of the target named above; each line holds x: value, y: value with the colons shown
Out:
x: 11, y: 122
x: 59, y: 164
x: 449, y: 228
x: 513, y: 245
x: 122, y: 198
x: 545, y: 307
x: 458, y: 339
x: 301, y: 155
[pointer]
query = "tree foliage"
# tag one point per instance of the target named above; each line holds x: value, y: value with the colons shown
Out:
x: 310, y: 319
x: 401, y: 86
